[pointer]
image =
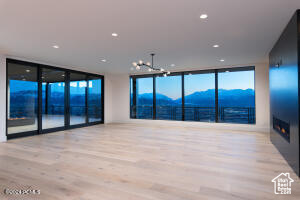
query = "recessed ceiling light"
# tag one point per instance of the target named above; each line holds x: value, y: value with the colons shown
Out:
x: 27, y: 70
x: 203, y: 16
x: 222, y: 60
x: 55, y: 46
x: 216, y: 46
x: 63, y: 75
x: 172, y: 65
x: 114, y: 34
x: 103, y: 60
x: 43, y: 77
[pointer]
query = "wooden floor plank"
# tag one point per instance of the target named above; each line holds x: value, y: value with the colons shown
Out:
x: 135, y: 161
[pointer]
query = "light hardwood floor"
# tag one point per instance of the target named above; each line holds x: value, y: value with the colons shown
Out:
x: 143, y: 162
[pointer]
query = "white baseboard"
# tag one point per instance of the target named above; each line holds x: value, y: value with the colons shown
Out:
x: 3, y: 139
x: 221, y: 126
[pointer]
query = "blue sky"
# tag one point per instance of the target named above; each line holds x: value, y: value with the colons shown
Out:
x: 94, y: 87
x: 171, y: 85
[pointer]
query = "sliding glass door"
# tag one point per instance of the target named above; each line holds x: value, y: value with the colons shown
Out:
x: 22, y: 96
x: 42, y: 99
x: 94, y: 99
x: 78, y: 98
x: 53, y: 98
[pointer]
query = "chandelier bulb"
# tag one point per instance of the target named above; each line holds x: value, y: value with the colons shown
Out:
x: 149, y: 69
x: 149, y: 64
x: 165, y: 75
x: 134, y: 64
x: 161, y: 69
x: 138, y: 67
x: 140, y: 62
x: 168, y: 72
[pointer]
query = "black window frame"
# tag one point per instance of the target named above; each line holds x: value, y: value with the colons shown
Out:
x: 183, y: 73
x: 67, y: 125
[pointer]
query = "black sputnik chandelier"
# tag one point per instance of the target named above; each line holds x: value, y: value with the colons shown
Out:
x: 150, y: 66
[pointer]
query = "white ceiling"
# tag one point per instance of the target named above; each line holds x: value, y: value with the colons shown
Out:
x: 246, y: 30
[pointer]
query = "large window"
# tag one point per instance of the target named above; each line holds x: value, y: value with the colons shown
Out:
x: 199, y: 99
x: 42, y: 99
x: 236, y: 96
x: 168, y: 98
x: 221, y: 95
x: 22, y: 94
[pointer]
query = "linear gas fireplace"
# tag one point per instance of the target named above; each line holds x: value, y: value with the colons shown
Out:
x: 285, y: 92
x: 282, y: 127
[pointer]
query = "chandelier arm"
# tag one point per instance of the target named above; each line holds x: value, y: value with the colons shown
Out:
x: 142, y: 64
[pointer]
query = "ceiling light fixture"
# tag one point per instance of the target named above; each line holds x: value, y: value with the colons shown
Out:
x: 55, y: 46
x: 114, y: 34
x: 216, y: 46
x: 150, y: 66
x: 203, y: 16
x: 27, y: 70
x: 222, y: 60
x: 103, y: 60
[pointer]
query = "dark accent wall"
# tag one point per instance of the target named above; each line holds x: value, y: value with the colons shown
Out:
x: 284, y: 91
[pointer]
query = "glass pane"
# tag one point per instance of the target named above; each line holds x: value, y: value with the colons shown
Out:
x: 78, y: 85
x: 53, y: 98
x: 168, y: 98
x: 144, y: 98
x: 94, y: 99
x: 22, y: 90
x: 236, y: 97
x: 199, y: 97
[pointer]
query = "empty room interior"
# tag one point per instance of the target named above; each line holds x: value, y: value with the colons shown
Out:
x: 149, y: 100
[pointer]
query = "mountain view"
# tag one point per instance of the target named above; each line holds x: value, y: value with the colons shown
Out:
x: 230, y: 98
x: 235, y: 105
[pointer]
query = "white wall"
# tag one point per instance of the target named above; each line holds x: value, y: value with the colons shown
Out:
x: 2, y: 98
x: 120, y: 101
x: 108, y: 104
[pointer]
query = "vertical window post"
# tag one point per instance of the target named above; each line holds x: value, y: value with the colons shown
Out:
x: 134, y: 98
x: 216, y: 97
x: 40, y: 100
x: 67, y: 99
x: 154, y: 97
x: 86, y: 100
x: 182, y: 94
